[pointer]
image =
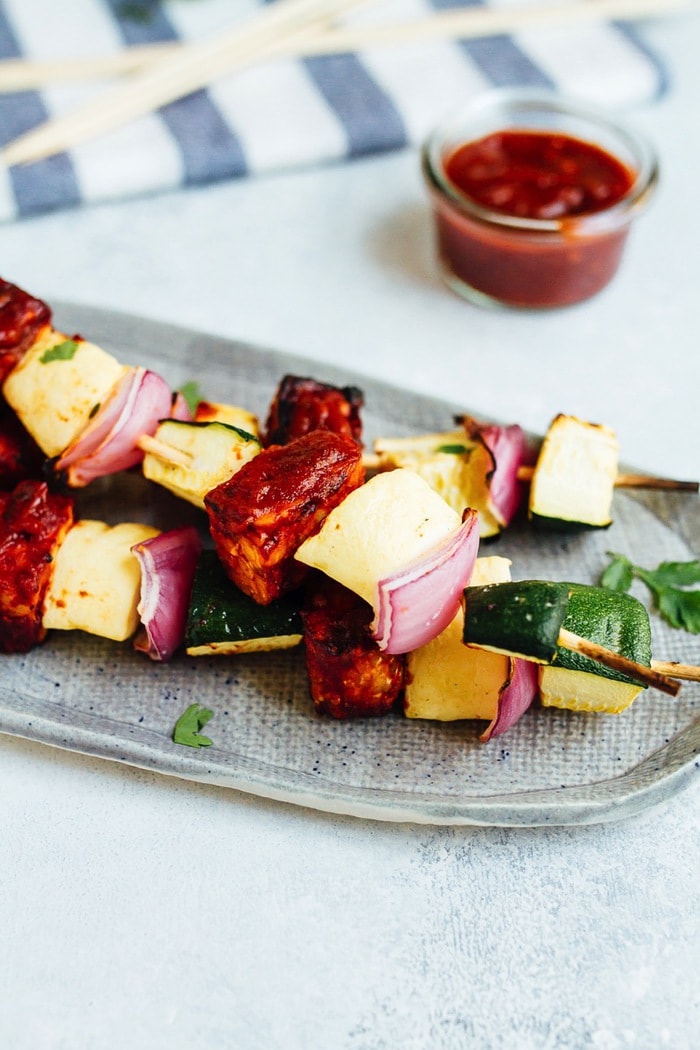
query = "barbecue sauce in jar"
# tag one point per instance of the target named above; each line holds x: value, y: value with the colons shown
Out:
x: 530, y: 213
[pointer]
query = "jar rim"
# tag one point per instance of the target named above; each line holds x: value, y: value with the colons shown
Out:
x: 524, y: 102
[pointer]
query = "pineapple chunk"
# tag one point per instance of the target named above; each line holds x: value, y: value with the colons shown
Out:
x: 213, y: 412
x: 96, y: 583
x: 445, y: 679
x: 57, y: 387
x: 575, y: 473
x: 204, y: 455
x: 452, y: 464
x: 379, y: 529
x: 582, y: 691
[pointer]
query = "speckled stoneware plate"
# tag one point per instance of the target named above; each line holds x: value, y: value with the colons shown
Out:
x: 554, y: 767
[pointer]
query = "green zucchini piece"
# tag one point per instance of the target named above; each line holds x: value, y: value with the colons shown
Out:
x: 223, y: 620
x: 572, y: 486
x: 202, y: 455
x: 520, y: 619
x: 524, y: 619
x: 613, y: 619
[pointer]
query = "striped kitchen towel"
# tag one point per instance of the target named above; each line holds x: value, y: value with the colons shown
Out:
x: 282, y: 114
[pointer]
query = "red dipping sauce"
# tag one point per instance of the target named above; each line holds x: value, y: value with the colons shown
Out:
x: 532, y: 214
x: 538, y: 174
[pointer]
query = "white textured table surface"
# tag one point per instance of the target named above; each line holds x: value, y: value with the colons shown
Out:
x: 143, y: 912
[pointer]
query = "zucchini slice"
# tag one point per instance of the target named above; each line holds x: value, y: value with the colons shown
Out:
x: 190, y: 459
x: 519, y: 619
x: 572, y: 486
x: 619, y: 622
x: 524, y: 619
x: 222, y: 620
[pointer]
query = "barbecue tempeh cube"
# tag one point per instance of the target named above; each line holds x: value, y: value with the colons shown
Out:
x: 33, y: 525
x: 260, y: 516
x: 349, y: 676
x: 301, y: 405
x: 22, y: 317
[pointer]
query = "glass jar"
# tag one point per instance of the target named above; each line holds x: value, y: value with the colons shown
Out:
x: 533, y: 197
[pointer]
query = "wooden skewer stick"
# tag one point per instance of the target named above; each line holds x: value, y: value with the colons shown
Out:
x: 638, y: 481
x: 674, y: 669
x: 269, y: 33
x: 617, y: 662
x: 274, y: 34
x: 155, y: 447
x: 21, y: 74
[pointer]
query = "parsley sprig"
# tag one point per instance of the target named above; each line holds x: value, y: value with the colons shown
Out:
x: 64, y: 351
x: 192, y: 394
x: 188, y: 726
x: 672, y: 585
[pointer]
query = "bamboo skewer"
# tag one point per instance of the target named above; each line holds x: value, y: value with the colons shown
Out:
x: 168, y: 453
x: 649, y: 675
x: 20, y: 74
x: 639, y: 481
x: 525, y: 473
x: 662, y: 674
x: 283, y: 25
x: 673, y: 669
x: 291, y: 27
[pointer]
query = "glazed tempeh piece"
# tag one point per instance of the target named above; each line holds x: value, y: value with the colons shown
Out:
x: 349, y: 676
x: 260, y: 516
x: 301, y: 404
x: 33, y: 525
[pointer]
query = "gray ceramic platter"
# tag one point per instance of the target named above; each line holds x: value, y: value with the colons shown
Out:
x: 554, y: 767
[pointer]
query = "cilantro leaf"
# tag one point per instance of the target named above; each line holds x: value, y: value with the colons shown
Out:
x: 670, y: 583
x: 680, y: 608
x: 618, y: 576
x: 188, y: 725
x: 672, y: 574
x: 192, y: 394
x: 64, y: 351
x: 453, y: 450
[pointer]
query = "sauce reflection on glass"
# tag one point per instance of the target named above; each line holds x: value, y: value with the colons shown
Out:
x: 532, y: 214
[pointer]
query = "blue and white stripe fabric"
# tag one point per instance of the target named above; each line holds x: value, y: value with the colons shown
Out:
x: 282, y: 114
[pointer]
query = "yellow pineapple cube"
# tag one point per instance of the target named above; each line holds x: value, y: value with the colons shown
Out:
x: 58, y: 386
x: 96, y: 583
x: 379, y: 529
x: 445, y: 679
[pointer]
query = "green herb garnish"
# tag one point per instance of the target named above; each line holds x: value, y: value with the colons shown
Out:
x: 671, y: 584
x: 192, y: 394
x: 64, y: 351
x: 453, y: 450
x: 187, y: 728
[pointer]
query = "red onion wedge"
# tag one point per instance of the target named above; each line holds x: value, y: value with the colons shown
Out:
x: 508, y: 450
x: 168, y: 564
x: 109, y: 442
x: 515, y: 697
x: 416, y: 604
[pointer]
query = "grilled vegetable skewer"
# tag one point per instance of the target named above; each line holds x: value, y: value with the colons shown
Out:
x: 593, y: 645
x: 632, y: 481
x: 615, y: 661
x: 571, y: 483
